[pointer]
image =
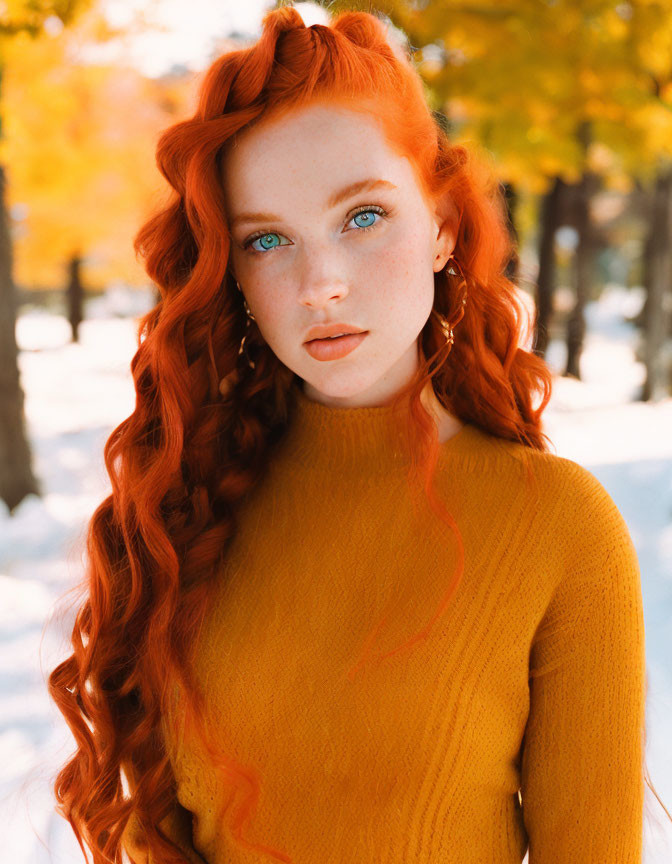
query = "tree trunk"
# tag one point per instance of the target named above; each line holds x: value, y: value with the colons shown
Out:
x: 658, y: 283
x: 583, y: 272
x: 584, y: 258
x: 550, y: 209
x: 16, y: 476
x: 513, y: 264
x: 75, y: 295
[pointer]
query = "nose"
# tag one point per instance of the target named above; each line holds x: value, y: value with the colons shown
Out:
x: 321, y: 285
x: 320, y: 277
x: 316, y: 295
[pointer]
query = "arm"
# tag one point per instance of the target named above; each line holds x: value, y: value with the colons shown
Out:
x: 583, y: 748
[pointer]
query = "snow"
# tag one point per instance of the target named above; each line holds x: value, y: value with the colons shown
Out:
x: 77, y: 393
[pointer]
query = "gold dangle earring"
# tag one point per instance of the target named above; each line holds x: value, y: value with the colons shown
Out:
x: 449, y: 268
x: 227, y: 383
x: 250, y: 317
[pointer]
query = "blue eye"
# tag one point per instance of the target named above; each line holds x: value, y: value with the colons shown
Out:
x: 263, y: 239
x: 268, y: 242
x: 369, y: 215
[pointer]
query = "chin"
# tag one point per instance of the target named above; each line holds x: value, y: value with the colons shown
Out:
x: 337, y: 390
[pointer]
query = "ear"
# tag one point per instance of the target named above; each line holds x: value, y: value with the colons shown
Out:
x: 446, y: 223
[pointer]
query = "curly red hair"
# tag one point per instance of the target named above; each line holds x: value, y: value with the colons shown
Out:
x: 186, y: 455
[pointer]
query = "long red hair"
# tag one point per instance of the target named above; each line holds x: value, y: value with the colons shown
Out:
x: 187, y: 453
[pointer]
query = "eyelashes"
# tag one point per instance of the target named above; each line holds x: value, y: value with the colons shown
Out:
x: 369, y: 208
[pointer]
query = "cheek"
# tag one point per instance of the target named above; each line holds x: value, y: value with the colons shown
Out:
x: 401, y: 272
x: 276, y: 310
x: 270, y: 305
x: 402, y: 258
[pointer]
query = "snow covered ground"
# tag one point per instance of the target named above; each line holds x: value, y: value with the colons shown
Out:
x: 76, y: 394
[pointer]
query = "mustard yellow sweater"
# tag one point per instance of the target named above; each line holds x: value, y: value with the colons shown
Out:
x: 518, y: 722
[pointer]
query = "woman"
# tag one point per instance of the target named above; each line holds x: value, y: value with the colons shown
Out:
x: 343, y: 604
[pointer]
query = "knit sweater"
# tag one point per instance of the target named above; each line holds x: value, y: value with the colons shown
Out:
x: 516, y: 725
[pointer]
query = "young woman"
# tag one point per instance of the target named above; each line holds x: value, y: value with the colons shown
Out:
x: 342, y: 603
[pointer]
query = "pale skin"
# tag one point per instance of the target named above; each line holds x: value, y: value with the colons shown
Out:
x: 315, y: 264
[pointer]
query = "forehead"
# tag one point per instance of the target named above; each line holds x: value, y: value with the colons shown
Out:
x: 308, y: 154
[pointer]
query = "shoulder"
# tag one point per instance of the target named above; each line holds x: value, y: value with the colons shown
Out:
x: 581, y: 539
x: 563, y: 493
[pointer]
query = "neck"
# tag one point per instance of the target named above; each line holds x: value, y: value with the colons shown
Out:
x: 357, y: 441
x: 447, y: 424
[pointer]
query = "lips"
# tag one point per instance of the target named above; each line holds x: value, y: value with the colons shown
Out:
x: 324, y: 331
x: 334, y: 349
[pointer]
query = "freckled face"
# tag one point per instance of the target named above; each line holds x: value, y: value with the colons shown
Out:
x: 368, y: 260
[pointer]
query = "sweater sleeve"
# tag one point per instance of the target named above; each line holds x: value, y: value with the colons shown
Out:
x: 582, y: 776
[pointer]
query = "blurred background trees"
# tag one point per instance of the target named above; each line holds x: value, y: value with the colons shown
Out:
x: 77, y: 152
x: 16, y: 475
x: 569, y: 100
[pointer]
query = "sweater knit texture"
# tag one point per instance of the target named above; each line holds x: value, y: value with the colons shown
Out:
x: 516, y: 726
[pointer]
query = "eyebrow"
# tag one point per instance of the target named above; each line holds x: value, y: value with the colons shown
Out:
x: 337, y: 198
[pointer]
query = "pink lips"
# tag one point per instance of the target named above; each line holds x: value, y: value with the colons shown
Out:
x: 334, y: 349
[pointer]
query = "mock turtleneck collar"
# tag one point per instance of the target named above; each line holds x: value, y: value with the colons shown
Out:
x: 354, y: 439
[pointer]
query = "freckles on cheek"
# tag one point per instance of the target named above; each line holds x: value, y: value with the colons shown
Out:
x: 405, y: 257
x: 267, y: 301
x: 384, y: 265
x: 396, y: 269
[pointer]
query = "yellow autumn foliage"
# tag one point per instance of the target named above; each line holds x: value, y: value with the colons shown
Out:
x: 78, y: 145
